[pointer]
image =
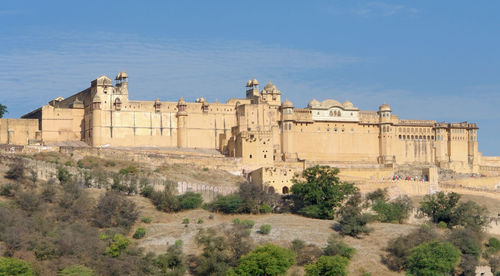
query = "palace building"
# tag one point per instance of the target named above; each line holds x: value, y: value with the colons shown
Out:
x: 260, y: 128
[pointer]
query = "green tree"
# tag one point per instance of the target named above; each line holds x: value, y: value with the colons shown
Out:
x: 397, y: 210
x: 118, y: 245
x: 433, y: 258
x: 470, y: 215
x: 76, y: 270
x: 3, y: 110
x: 328, y: 266
x: 266, y: 260
x: 319, y: 192
x: 12, y: 266
x: 352, y: 222
x: 190, y: 200
x: 440, y: 206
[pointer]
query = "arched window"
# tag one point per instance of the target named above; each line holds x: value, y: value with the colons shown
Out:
x: 285, y: 190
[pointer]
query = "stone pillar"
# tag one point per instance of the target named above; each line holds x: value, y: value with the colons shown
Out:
x: 181, y: 124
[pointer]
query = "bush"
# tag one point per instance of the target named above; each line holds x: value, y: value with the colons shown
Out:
x: 200, y: 221
x: 230, y: 204
x: 147, y: 191
x: 185, y: 221
x: 129, y: 170
x: 396, y: 211
x: 264, y: 208
x: 328, y: 265
x: 352, y: 222
x: 442, y: 225
x: 433, y: 258
x: 265, y: 229
x: 139, y: 233
x: 9, y: 189
x: 146, y: 220
x: 493, y: 245
x: 247, y: 223
x: 319, y: 192
x: 172, y: 263
x: 11, y: 266
x: 399, y: 249
x: 166, y: 200
x: 16, y: 171
x: 211, y: 216
x: 266, y: 260
x: 336, y: 246
x: 306, y: 254
x: 28, y: 200
x: 63, y: 175
x: 378, y: 195
x: 114, y: 210
x: 190, y: 200
x: 76, y: 270
x: 118, y: 245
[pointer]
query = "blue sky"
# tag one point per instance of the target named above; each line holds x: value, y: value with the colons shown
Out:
x: 427, y: 59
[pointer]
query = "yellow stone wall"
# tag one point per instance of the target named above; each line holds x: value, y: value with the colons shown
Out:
x: 18, y: 131
x: 259, y: 129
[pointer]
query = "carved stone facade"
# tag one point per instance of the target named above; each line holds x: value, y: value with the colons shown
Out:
x: 260, y: 128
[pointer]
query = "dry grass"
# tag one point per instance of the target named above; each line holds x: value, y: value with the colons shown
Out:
x: 165, y: 229
x: 195, y: 174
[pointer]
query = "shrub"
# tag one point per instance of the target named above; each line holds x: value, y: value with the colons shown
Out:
x: 230, y: 204
x: 114, y: 210
x: 48, y: 192
x: 118, y: 245
x: 200, y: 221
x: 320, y: 192
x: 16, y: 171
x: 266, y: 260
x: 9, y: 189
x: 129, y: 170
x: 265, y: 229
x: 211, y: 216
x: 166, y: 200
x: 493, y: 245
x: 328, y: 265
x: 306, y: 254
x: 185, y: 221
x: 264, y: 208
x: 442, y: 225
x: 336, y: 246
x: 396, y: 211
x: 190, y: 200
x: 147, y: 191
x: 76, y: 270
x: 146, y: 220
x: 247, y: 223
x: 63, y: 175
x: 352, y: 222
x: 378, y: 195
x: 399, y: 249
x: 11, y: 266
x: 139, y: 233
x: 28, y: 200
x: 433, y: 258
x: 172, y: 263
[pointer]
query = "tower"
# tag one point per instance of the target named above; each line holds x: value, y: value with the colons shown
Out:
x: 253, y: 91
x: 287, y: 119
x: 181, y: 123
x: 385, y: 138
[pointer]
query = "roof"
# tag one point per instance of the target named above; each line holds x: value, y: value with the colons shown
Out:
x: 287, y: 103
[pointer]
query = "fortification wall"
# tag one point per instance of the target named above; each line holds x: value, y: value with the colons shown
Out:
x: 19, y: 131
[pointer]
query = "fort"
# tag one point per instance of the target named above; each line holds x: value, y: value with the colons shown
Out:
x: 271, y: 139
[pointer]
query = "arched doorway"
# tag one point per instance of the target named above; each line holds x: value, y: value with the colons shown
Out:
x: 285, y: 190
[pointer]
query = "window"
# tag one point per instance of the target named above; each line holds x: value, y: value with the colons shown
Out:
x: 250, y: 156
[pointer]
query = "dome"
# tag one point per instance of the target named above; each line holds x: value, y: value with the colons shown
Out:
x: 348, y: 104
x: 181, y: 101
x: 330, y: 103
x: 249, y: 83
x: 385, y: 107
x: 269, y: 86
x: 121, y: 75
x: 287, y: 103
x: 312, y: 103
x: 255, y: 82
